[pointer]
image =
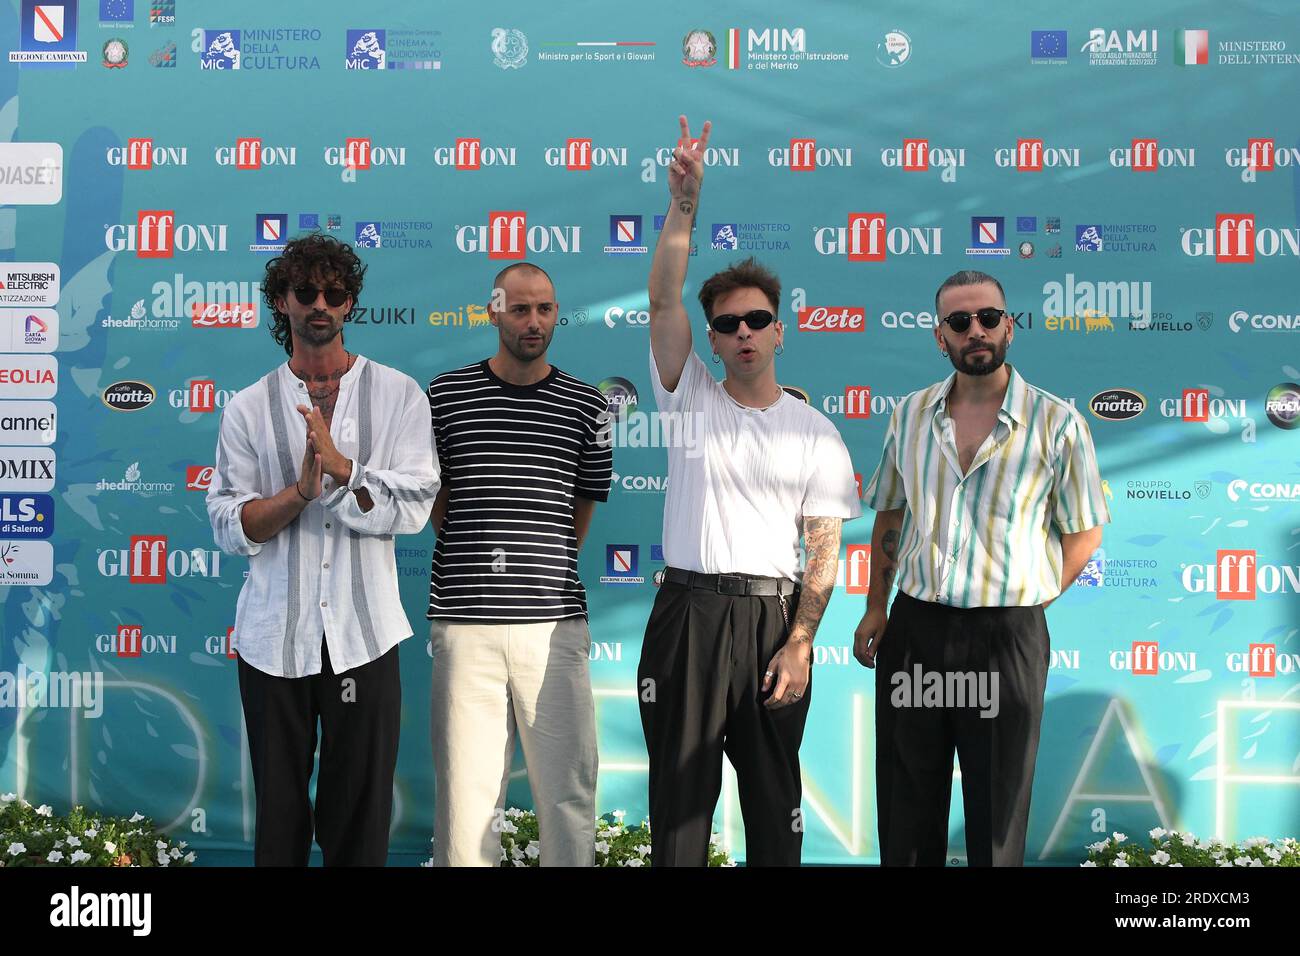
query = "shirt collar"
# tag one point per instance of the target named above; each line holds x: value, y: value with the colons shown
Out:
x: 1015, y: 404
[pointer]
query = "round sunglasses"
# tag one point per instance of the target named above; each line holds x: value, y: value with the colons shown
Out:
x: 959, y: 322
x: 306, y: 295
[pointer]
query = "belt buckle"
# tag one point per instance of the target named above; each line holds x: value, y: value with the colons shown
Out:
x: 740, y: 586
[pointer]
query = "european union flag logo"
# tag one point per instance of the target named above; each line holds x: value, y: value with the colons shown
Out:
x: 1026, y: 223
x: 1048, y: 45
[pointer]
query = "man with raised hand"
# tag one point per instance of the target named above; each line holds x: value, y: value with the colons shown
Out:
x: 726, y: 660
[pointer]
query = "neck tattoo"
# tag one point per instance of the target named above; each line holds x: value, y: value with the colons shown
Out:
x: 325, y: 395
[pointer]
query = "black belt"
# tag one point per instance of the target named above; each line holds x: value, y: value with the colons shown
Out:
x: 734, y: 584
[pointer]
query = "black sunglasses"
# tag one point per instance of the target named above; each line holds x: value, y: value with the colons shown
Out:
x: 959, y: 322
x: 306, y: 295
x: 755, y: 319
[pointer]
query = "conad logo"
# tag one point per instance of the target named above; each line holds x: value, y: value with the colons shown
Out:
x: 129, y: 396
x: 1117, y: 404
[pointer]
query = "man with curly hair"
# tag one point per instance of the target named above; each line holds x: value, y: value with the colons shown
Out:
x: 318, y: 465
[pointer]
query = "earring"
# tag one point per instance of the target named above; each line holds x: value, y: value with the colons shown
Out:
x: 715, y: 358
x: 780, y: 349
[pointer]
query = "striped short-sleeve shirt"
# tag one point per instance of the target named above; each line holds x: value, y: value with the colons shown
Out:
x: 514, y: 457
x: 990, y: 537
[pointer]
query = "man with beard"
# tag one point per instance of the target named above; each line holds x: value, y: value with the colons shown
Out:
x: 526, y: 455
x: 319, y: 616
x: 726, y: 663
x: 988, y: 504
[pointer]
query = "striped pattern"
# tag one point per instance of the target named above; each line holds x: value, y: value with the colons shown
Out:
x: 990, y: 538
x: 514, y: 458
x: 332, y: 570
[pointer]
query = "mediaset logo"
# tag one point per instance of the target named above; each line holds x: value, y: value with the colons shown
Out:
x: 1032, y: 156
x: 869, y: 238
x: 1237, y: 575
x: 149, y: 561
x: 805, y: 156
x: 142, y: 153
x: 1263, y: 322
x: 156, y: 235
x: 469, y: 153
x: 507, y: 235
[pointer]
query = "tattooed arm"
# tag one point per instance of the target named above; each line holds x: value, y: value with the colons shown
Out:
x: 884, y: 567
x: 670, y: 328
x: 789, y: 671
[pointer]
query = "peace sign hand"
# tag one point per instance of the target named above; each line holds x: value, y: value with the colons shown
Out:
x: 686, y: 171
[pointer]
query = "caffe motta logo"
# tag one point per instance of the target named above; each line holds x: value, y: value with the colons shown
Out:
x: 1117, y: 404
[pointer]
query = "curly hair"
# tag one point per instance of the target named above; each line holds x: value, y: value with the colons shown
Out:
x: 307, y: 259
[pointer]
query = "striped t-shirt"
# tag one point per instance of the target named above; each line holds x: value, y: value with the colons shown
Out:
x: 513, y: 459
x: 990, y: 537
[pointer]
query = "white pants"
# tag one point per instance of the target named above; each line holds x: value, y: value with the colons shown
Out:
x: 490, y: 680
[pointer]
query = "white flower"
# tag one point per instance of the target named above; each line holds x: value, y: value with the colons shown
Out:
x: 91, y: 833
x: 514, y: 813
x: 182, y: 844
x: 508, y: 827
x: 174, y: 853
x: 1273, y: 854
x: 1160, y: 858
x: 1255, y: 863
x: 519, y: 863
x: 1099, y: 846
x: 1241, y: 861
x: 45, y: 810
x: 163, y: 859
x: 714, y: 839
x: 79, y: 857
x: 504, y: 857
x: 1119, y: 837
x: 190, y: 857
x: 616, y: 831
x: 16, y: 848
x: 1159, y: 832
x: 1172, y: 865
x: 1224, y: 863
x: 161, y: 844
x: 1256, y: 841
x: 644, y: 850
x: 1120, y: 861
x: 1203, y: 844
x: 516, y: 854
x: 58, y: 844
x: 73, y: 841
x: 532, y: 851
x: 427, y: 863
x: 1087, y: 863
x: 618, y: 815
x: 136, y: 817
x: 54, y: 857
x: 602, y: 846
x: 110, y: 846
x: 8, y: 797
x: 634, y: 862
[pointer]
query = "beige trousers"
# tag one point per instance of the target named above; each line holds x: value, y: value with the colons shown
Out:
x: 489, y: 682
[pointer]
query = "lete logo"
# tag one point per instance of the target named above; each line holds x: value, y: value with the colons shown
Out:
x: 832, y: 319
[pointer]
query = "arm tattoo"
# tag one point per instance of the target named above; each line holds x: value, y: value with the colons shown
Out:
x: 822, y: 545
x: 687, y: 207
x: 888, y: 560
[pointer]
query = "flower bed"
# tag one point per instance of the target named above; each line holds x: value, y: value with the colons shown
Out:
x: 1171, y: 848
x: 34, y: 836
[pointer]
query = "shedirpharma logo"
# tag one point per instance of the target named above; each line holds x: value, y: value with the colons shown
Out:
x: 270, y: 49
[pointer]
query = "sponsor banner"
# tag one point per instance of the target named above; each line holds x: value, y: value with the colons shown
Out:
x: 26, y: 284
x: 29, y: 330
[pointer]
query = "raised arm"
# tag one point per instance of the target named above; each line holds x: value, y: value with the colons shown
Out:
x: 670, y: 328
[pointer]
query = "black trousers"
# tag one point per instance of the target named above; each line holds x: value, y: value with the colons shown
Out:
x: 915, y: 739
x: 699, y: 685
x: 360, y: 716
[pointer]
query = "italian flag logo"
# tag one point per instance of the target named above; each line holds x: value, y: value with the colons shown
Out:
x: 1193, y: 47
x: 733, y: 49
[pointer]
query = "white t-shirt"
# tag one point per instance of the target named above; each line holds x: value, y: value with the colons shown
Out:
x: 737, y: 500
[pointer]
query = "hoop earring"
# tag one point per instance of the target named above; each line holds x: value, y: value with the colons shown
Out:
x: 780, y: 349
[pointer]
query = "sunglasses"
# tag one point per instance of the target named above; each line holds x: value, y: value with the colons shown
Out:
x: 306, y: 295
x: 756, y: 319
x: 960, y: 321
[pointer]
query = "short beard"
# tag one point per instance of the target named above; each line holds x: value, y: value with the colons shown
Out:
x: 960, y: 363
x: 318, y: 337
x: 514, y: 347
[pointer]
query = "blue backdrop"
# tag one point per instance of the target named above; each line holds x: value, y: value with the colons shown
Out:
x: 1130, y: 178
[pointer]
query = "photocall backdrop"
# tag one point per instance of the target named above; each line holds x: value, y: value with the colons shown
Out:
x: 1131, y: 179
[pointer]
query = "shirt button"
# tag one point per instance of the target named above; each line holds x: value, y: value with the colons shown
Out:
x: 326, y: 565
x: 324, y: 603
x: 327, y: 524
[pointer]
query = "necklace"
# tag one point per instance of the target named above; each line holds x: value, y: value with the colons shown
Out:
x: 336, y: 376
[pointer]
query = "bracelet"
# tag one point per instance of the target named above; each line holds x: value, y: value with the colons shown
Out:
x: 300, y: 494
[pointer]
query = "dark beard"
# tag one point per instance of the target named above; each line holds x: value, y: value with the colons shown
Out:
x: 516, y: 348
x: 314, y: 336
x: 988, y: 367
